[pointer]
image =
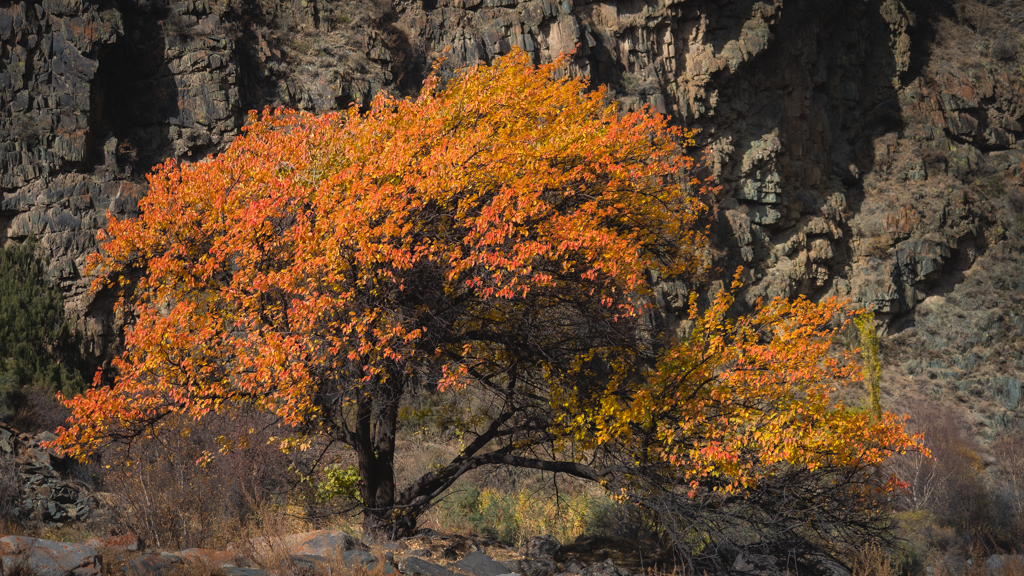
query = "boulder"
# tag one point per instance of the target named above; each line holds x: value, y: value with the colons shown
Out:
x: 480, y: 564
x: 306, y: 565
x: 573, y: 566
x: 153, y: 564
x: 216, y: 558
x: 358, y: 558
x: 325, y: 543
x: 546, y: 546
x: 421, y: 552
x: 44, y: 494
x: 456, y: 549
x: 413, y: 566
x: 536, y: 567
x: 1004, y: 564
x: 48, y: 558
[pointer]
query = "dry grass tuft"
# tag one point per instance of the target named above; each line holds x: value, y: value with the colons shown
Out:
x: 872, y: 561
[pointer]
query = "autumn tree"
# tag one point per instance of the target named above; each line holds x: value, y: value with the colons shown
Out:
x: 492, y: 235
x: 736, y: 440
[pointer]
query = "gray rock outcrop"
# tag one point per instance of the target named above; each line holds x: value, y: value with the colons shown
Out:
x: 44, y: 492
x: 413, y: 566
x: 480, y: 564
x: 21, y: 554
x: 866, y: 149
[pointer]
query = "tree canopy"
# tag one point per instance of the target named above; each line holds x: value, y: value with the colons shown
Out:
x: 493, y: 234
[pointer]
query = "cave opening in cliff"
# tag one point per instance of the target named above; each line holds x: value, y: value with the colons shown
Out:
x: 107, y: 94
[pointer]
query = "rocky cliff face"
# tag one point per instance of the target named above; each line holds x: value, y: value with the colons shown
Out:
x: 866, y: 148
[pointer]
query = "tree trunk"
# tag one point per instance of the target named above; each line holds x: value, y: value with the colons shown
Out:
x: 376, y: 425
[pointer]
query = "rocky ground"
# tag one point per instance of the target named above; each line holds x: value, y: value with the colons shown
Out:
x: 33, y: 485
x: 37, y: 489
x: 315, y: 553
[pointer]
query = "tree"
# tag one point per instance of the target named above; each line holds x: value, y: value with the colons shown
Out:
x: 493, y: 233
x: 39, y: 350
x: 870, y: 345
x: 736, y: 441
x: 491, y: 236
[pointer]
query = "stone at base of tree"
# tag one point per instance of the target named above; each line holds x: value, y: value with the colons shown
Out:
x: 358, y: 558
x: 457, y: 549
x: 480, y: 564
x: 420, y: 552
x: 48, y: 558
x: 325, y: 543
x: 388, y: 567
x: 573, y: 566
x: 413, y: 566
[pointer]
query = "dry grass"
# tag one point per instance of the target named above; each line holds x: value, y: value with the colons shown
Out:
x: 162, y: 495
x: 1010, y: 565
x: 517, y: 515
x: 10, y: 489
x: 975, y: 563
x: 249, y: 500
x: 872, y: 561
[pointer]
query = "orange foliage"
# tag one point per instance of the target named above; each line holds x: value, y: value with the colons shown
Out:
x: 319, y: 254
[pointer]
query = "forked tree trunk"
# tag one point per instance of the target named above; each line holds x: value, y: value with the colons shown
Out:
x: 388, y: 516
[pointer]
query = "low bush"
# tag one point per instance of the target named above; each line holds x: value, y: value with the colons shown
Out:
x: 1009, y: 476
x: 171, y: 502
x: 872, y: 560
x: 953, y: 502
x: 1005, y: 50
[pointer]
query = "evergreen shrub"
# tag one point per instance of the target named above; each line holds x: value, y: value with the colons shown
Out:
x: 40, y: 352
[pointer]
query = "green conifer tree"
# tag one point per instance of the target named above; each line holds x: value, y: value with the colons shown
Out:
x: 39, y: 348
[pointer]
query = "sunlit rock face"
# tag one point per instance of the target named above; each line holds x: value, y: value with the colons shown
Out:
x: 867, y: 149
